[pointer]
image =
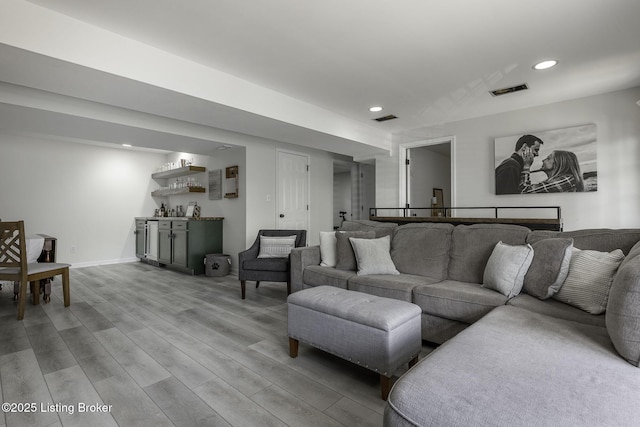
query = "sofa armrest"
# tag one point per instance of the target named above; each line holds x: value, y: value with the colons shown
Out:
x: 300, y: 259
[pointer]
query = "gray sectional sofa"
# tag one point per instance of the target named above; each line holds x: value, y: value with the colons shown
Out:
x: 504, y: 360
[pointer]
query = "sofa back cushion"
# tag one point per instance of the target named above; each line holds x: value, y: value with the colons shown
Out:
x: 597, y: 239
x: 472, y: 245
x: 549, y: 268
x: 345, y: 257
x: 380, y: 229
x: 623, y: 308
x: 422, y: 249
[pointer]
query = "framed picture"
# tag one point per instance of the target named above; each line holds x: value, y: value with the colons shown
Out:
x: 552, y: 161
x: 191, y: 210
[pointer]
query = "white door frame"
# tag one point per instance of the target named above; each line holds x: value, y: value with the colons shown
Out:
x: 308, y: 157
x: 404, y: 180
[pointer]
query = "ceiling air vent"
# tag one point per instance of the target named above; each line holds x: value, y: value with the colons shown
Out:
x: 385, y: 118
x: 507, y: 90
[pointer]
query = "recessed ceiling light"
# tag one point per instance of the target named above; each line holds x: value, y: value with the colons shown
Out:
x: 126, y: 145
x: 375, y: 108
x: 545, y: 64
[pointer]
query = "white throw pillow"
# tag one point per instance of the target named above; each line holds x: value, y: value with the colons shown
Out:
x: 507, y: 267
x: 276, y: 246
x: 373, y: 256
x: 328, y: 248
x: 589, y: 280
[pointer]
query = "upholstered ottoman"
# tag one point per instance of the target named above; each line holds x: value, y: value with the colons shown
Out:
x: 380, y: 334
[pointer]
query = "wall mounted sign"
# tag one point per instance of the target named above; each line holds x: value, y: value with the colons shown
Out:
x: 231, y: 174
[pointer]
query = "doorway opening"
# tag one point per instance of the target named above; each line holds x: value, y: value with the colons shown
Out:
x: 353, y: 191
x: 427, y: 171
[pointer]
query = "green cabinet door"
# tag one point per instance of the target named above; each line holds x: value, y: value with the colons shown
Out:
x: 180, y: 235
x: 164, y: 242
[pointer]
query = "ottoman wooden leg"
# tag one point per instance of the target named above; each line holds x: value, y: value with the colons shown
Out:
x: 293, y: 347
x: 385, y: 386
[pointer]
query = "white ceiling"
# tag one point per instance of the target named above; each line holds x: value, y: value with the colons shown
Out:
x: 425, y: 61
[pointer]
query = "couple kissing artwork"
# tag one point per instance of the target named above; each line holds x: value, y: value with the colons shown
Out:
x: 553, y: 161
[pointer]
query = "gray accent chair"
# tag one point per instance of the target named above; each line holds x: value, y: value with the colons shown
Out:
x: 250, y: 267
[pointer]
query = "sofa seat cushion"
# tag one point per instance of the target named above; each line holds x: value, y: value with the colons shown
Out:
x: 461, y: 301
x: 389, y: 286
x: 267, y: 264
x: 554, y: 308
x: 519, y: 368
x: 316, y: 275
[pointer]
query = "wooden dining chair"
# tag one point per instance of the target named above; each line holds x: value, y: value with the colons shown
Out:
x: 14, y: 265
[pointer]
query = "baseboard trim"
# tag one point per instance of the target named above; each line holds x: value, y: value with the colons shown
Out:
x: 104, y: 262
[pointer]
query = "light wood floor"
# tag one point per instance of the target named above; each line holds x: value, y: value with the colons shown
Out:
x: 159, y: 348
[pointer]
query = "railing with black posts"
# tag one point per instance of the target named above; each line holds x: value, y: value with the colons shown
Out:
x: 534, y: 217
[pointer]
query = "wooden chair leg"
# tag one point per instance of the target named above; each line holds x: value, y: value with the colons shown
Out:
x: 293, y: 347
x: 22, y: 299
x: 65, y: 287
x: 257, y: 284
x: 243, y: 286
x: 35, y: 292
x: 385, y: 386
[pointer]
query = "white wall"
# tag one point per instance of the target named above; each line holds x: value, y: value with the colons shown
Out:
x: 85, y: 195
x: 616, y: 204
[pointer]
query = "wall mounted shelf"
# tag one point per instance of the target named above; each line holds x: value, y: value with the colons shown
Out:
x: 175, y: 173
x: 174, y: 191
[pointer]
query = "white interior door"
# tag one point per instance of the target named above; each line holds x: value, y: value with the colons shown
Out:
x: 293, y: 191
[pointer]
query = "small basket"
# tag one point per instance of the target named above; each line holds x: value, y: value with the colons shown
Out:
x: 217, y: 265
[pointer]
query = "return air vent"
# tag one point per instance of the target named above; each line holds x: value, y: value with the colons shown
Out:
x: 506, y: 90
x: 385, y: 118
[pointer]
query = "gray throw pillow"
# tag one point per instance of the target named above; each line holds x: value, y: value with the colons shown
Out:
x: 589, y: 280
x: 506, y: 268
x: 623, y: 309
x: 345, y: 258
x: 549, y: 268
x: 373, y: 256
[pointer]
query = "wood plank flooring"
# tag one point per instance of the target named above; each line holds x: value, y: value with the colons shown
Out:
x: 145, y: 346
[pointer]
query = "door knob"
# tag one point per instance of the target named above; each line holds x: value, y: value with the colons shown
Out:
x: 281, y: 215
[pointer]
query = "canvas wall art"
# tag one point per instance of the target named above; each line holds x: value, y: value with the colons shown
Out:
x: 552, y: 161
